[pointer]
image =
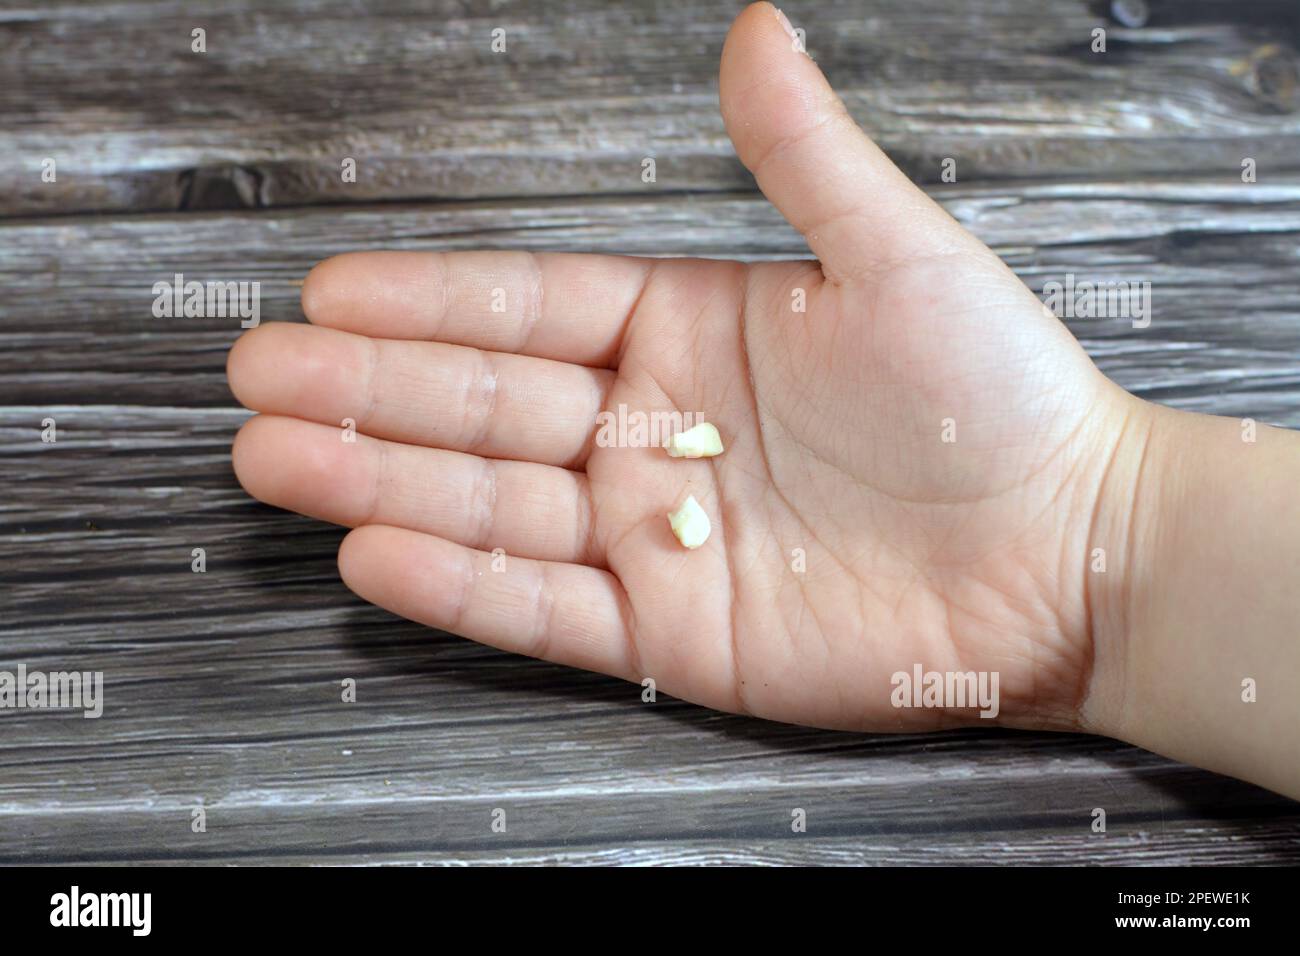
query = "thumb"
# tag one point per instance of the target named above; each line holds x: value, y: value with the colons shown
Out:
x: 857, y: 210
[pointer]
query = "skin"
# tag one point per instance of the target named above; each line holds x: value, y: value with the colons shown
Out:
x: 919, y: 464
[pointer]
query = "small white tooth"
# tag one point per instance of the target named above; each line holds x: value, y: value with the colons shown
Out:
x: 702, y: 441
x: 690, y: 523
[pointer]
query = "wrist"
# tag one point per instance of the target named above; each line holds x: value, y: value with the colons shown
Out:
x: 1122, y: 539
x: 1194, y: 643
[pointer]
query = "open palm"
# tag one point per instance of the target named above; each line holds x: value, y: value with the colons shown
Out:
x: 915, y: 447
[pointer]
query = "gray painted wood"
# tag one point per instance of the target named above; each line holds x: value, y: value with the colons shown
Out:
x: 223, y: 688
x: 586, y: 89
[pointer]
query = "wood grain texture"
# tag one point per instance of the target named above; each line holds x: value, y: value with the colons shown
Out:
x: 223, y: 688
x: 586, y: 89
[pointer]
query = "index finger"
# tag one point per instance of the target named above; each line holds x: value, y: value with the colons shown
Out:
x: 569, y: 307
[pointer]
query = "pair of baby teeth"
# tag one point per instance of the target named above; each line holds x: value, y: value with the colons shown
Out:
x: 689, y: 522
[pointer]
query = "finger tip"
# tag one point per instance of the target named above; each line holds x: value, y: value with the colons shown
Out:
x: 237, y: 360
x: 321, y: 288
x: 756, y: 16
x: 737, y: 45
x: 766, y: 85
x: 258, y: 456
x: 242, y: 451
x: 254, y: 357
x: 351, y: 550
x: 369, y: 564
x: 760, y: 31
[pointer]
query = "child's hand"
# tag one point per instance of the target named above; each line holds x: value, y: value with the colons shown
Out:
x: 918, y: 466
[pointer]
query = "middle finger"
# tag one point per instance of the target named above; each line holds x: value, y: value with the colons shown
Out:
x: 492, y: 404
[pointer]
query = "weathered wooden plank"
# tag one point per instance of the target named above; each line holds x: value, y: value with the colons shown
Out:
x: 672, y: 774
x: 585, y: 90
x: 397, y: 832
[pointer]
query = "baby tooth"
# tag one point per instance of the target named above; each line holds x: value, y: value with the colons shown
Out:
x: 690, y: 524
x: 702, y: 441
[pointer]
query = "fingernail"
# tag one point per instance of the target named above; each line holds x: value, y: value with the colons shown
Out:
x: 785, y: 23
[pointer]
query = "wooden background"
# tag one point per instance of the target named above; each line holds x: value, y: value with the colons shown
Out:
x: 223, y: 688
